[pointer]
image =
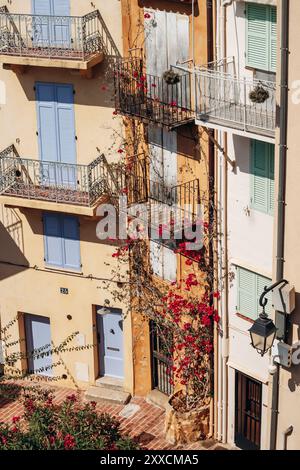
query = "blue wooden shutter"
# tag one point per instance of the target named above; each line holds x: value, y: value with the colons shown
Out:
x: 38, y: 337
x: 61, y: 27
x: 257, y: 36
x: 71, y: 242
x: 53, y: 239
x: 66, y: 123
x: 260, y: 171
x: 46, y: 111
x: 66, y: 134
x: 42, y: 24
x: 246, y: 293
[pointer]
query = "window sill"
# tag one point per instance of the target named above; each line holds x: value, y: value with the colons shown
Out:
x: 249, y: 320
x: 63, y: 270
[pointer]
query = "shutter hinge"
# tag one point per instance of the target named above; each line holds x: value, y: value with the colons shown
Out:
x: 74, y: 92
x: 34, y: 88
x: 76, y: 138
x: 37, y: 132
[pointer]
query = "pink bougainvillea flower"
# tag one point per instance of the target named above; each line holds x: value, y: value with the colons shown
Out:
x: 120, y: 151
x: 16, y: 419
x: 69, y: 442
x: 72, y: 397
x: 147, y: 16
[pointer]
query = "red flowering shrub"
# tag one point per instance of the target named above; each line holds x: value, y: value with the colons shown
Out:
x: 72, y: 425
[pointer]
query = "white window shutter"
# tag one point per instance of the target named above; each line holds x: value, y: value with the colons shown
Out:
x: 156, y: 259
x: 169, y: 265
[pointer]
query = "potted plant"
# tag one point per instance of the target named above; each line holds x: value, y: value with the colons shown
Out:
x: 187, y: 421
x: 171, y: 77
x: 259, y: 94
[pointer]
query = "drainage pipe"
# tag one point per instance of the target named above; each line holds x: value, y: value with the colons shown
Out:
x: 284, y: 95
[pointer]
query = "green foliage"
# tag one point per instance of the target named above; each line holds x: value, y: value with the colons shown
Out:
x: 72, y: 425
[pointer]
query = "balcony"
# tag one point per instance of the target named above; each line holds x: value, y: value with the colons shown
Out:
x: 149, y: 98
x: 240, y: 105
x: 64, y: 187
x: 50, y: 41
x: 169, y: 208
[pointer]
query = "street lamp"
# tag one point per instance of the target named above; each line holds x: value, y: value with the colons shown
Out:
x: 263, y: 331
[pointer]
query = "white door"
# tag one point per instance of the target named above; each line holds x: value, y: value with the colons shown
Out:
x: 110, y: 338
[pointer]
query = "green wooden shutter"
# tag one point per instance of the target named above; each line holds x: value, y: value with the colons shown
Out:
x: 257, y: 36
x: 246, y: 301
x: 250, y: 286
x: 260, y: 171
x: 271, y: 197
x: 261, y: 283
x: 273, y: 39
x: 261, y: 41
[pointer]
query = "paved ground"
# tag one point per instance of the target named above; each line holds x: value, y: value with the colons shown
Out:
x: 143, y: 421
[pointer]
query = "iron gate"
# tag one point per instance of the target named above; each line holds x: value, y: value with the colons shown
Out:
x: 162, y: 373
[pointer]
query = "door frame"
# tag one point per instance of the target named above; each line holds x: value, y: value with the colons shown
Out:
x: 100, y: 350
x: 240, y: 440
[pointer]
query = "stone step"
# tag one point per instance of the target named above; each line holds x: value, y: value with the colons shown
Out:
x: 102, y: 394
x: 110, y: 382
x: 157, y: 398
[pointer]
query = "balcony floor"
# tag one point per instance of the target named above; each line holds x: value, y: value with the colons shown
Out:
x: 167, y: 116
x: 232, y: 116
x: 45, y: 57
x: 45, y: 198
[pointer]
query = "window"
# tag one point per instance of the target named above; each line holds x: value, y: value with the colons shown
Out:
x: 250, y: 286
x: 61, y: 238
x: 261, y: 40
x: 262, y: 169
x: 163, y: 261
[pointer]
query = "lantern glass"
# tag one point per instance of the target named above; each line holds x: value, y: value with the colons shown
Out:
x: 258, y: 342
x: 263, y: 332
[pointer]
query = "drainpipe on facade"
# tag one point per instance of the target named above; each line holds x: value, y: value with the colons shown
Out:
x: 284, y: 95
x: 222, y: 247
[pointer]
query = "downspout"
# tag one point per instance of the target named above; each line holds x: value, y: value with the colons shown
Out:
x: 211, y: 173
x: 222, y: 247
x: 284, y: 95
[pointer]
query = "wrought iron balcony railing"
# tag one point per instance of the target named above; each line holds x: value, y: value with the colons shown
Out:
x: 82, y: 185
x: 150, y: 98
x: 222, y: 98
x: 41, y: 36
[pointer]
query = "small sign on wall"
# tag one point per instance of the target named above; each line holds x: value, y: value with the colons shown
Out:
x: 64, y: 290
x: 82, y: 371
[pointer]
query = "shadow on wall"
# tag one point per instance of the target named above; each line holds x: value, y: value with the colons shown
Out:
x: 12, y: 258
x: 241, y: 152
x: 294, y: 380
x: 170, y: 6
x: 98, y: 91
x: 88, y: 226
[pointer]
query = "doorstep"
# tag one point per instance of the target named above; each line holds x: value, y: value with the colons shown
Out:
x: 109, y: 390
x: 155, y: 397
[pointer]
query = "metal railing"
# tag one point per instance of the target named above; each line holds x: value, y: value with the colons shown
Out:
x: 185, y: 194
x: 225, y: 99
x: 81, y: 185
x: 62, y: 37
x: 148, y: 97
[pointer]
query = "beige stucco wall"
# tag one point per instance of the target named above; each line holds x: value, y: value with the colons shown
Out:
x: 27, y: 285
x: 289, y: 390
